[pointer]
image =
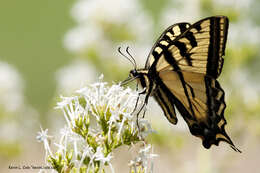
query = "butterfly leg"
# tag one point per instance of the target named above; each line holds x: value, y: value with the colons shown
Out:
x: 139, y: 94
x: 136, y: 88
x: 142, y: 107
x: 137, y: 99
x: 144, y: 111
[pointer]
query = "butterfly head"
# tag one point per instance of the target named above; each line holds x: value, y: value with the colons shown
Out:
x: 141, y: 75
x: 138, y: 73
x: 133, y: 73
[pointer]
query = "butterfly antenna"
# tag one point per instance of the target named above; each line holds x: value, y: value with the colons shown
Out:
x: 127, y: 50
x: 133, y: 63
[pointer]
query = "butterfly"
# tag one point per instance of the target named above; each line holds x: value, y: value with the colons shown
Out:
x: 181, y: 73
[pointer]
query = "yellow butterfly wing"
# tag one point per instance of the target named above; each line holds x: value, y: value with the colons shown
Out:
x: 200, y: 100
x: 200, y: 48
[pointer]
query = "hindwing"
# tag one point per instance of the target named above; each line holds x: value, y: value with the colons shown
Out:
x: 166, y: 102
x: 200, y: 100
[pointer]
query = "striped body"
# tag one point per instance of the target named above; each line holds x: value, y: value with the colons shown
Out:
x: 181, y: 72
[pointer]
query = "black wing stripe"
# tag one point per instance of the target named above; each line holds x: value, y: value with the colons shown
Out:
x: 181, y: 46
x: 166, y: 104
x: 155, y: 55
x: 198, y: 28
x: 189, y: 35
x: 213, y: 55
x: 183, y: 49
x: 179, y: 105
x: 218, y: 38
x: 183, y: 27
x: 216, y: 119
x: 171, y: 31
x: 172, y: 62
x: 175, y: 101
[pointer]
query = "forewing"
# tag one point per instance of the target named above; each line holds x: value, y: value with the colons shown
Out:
x: 171, y: 32
x: 200, y: 101
x: 199, y: 49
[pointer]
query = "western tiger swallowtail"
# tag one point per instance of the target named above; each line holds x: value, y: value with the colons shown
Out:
x: 181, y: 72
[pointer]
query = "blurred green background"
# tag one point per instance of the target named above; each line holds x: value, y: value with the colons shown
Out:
x: 51, y: 48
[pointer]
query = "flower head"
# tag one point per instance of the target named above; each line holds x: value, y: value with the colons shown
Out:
x: 44, y: 138
x: 99, y: 119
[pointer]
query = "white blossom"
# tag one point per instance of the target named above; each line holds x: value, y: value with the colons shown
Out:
x: 44, y: 138
x: 108, y: 107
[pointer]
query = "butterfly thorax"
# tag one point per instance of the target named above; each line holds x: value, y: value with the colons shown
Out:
x: 142, y: 77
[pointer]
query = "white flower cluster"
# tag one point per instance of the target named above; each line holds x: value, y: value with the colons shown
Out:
x: 99, y: 119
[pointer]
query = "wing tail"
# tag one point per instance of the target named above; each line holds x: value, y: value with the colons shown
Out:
x: 200, y: 101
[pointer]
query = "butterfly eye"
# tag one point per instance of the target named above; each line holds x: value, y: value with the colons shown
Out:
x: 131, y: 74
